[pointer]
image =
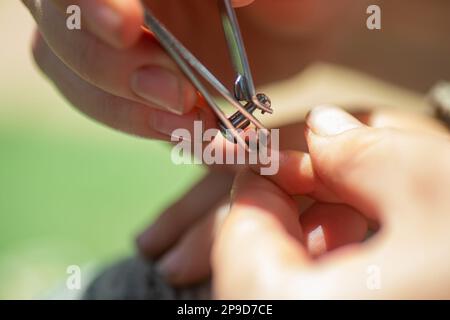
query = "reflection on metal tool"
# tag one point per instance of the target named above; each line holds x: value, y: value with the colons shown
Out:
x: 244, y: 99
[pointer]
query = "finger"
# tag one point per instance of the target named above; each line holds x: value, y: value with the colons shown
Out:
x: 330, y: 226
x: 296, y: 176
x: 188, y: 262
x: 258, y: 255
x: 181, y: 216
x: 241, y: 3
x: 394, y: 175
x: 259, y: 238
x: 403, y: 120
x: 116, y: 22
x: 325, y: 226
x: 375, y: 269
x: 142, y: 73
x: 118, y: 113
x: 370, y: 169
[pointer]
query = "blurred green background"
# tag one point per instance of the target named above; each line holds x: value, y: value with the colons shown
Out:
x: 72, y: 192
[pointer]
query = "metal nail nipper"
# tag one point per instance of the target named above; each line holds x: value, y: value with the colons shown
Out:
x: 244, y: 99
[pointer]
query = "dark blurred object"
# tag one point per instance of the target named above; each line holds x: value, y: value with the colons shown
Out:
x: 440, y: 100
x: 138, y: 279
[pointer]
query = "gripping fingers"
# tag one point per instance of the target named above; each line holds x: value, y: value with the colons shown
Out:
x: 116, y: 112
x: 142, y: 73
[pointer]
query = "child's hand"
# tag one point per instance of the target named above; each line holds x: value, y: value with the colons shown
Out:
x: 397, y: 178
x: 181, y: 238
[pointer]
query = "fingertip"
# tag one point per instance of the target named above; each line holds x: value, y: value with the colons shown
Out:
x: 118, y: 23
x: 328, y: 120
x: 258, y: 204
x: 252, y: 189
x: 330, y: 226
x: 163, y: 88
x: 132, y: 20
x: 147, y: 243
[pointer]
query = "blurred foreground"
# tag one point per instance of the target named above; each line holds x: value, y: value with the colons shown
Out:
x: 72, y: 192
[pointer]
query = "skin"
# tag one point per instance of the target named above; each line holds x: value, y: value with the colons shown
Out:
x: 388, y: 175
x: 118, y: 74
x: 105, y: 90
x: 97, y: 68
x: 179, y: 237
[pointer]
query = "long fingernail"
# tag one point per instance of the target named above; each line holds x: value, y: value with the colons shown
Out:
x: 106, y: 22
x: 330, y: 121
x: 160, y: 87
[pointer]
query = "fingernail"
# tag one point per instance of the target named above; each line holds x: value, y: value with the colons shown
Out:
x: 316, y: 242
x: 160, y: 87
x: 105, y: 22
x: 330, y: 121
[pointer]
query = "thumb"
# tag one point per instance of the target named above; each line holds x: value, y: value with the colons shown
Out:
x: 258, y: 242
x: 377, y: 171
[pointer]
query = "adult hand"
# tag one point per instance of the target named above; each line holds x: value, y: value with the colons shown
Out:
x: 115, y: 72
x: 398, y: 178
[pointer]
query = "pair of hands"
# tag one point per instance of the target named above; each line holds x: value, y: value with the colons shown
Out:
x: 117, y: 74
x: 359, y: 177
